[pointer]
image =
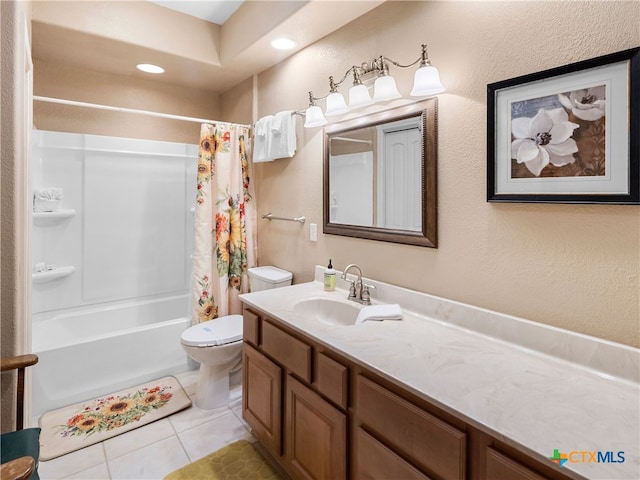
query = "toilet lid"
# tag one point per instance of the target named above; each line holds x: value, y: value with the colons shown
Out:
x: 218, y: 331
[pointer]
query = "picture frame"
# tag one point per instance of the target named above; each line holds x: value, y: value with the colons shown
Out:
x: 569, y: 134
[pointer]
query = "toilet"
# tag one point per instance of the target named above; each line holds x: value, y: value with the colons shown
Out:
x: 217, y: 344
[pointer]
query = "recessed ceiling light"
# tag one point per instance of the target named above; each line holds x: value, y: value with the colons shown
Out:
x: 149, y: 68
x: 283, y: 43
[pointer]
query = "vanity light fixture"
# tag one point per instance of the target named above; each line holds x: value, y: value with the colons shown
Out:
x: 313, y: 115
x: 359, y: 93
x: 385, y: 87
x: 426, y: 82
x: 150, y: 68
x: 335, y: 101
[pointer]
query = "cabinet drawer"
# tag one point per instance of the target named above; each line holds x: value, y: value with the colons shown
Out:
x: 251, y: 327
x: 500, y: 466
x: 373, y: 460
x: 424, y: 440
x: 332, y: 379
x: 292, y: 353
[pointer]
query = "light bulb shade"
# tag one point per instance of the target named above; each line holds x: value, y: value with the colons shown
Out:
x: 314, y: 117
x: 335, y: 105
x: 426, y: 82
x: 385, y: 89
x: 359, y: 96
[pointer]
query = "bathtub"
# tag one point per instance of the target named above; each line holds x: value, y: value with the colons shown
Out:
x: 96, y: 351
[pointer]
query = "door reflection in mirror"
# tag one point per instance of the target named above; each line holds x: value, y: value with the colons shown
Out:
x: 380, y: 175
x: 400, y: 175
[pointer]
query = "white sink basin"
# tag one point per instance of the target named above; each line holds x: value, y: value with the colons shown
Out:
x: 328, y: 311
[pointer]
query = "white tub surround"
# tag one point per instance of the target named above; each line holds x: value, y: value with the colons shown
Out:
x: 111, y: 265
x: 124, y: 229
x: 534, y: 387
x: 95, y: 351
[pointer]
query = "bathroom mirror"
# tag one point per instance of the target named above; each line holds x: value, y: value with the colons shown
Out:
x: 380, y: 175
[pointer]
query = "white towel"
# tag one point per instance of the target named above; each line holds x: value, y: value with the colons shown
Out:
x: 261, y: 139
x: 282, y: 143
x: 47, y: 199
x: 380, y: 312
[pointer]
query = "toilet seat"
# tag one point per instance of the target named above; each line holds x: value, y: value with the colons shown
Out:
x: 218, y: 331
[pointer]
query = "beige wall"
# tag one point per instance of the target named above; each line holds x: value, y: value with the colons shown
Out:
x: 71, y: 83
x: 237, y: 103
x: 14, y: 175
x: 572, y: 266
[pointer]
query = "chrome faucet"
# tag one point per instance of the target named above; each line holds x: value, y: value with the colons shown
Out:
x: 358, y: 291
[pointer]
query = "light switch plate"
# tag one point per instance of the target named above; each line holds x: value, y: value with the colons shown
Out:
x: 313, y: 232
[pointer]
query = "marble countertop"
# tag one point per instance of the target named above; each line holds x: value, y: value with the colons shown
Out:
x: 526, y: 396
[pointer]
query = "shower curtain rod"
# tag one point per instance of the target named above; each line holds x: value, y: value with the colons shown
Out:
x: 131, y: 110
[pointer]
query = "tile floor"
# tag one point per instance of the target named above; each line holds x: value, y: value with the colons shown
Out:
x: 157, y: 449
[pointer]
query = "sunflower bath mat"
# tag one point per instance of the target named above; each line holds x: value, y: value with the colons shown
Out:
x: 83, y: 424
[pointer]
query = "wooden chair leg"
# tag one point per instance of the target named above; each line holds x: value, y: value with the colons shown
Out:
x: 19, y: 401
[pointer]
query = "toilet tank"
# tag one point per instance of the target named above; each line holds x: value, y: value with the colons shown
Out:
x: 265, y: 278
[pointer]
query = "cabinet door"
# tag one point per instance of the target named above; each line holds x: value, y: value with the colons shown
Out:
x: 316, y: 435
x: 262, y: 398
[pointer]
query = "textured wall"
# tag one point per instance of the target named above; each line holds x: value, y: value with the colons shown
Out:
x: 71, y: 83
x: 14, y: 303
x: 572, y: 266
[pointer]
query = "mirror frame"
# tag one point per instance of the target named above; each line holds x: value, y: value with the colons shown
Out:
x: 428, y: 237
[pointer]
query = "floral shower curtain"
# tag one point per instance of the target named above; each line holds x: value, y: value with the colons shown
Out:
x: 225, y: 219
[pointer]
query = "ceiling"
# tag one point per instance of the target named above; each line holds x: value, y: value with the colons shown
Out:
x: 212, y: 11
x: 114, y: 36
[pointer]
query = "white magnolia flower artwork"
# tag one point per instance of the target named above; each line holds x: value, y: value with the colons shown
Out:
x: 559, y: 135
x: 544, y: 139
x: 567, y: 134
x: 586, y: 104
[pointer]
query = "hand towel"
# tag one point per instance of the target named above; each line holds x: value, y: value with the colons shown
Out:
x: 380, y: 312
x: 282, y: 143
x: 261, y: 138
x: 47, y: 199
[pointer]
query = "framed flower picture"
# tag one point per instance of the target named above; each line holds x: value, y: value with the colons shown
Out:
x: 567, y: 135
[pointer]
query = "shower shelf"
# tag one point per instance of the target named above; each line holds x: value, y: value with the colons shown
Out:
x: 60, y: 272
x: 43, y: 218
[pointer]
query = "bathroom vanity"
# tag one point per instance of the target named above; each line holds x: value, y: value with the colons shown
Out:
x: 423, y: 397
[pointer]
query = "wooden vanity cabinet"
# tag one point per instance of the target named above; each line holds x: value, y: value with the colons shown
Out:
x: 322, y: 416
x: 296, y: 413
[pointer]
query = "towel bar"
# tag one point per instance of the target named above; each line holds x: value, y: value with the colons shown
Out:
x: 271, y: 216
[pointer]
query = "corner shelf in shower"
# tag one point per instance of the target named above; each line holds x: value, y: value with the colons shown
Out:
x: 44, y: 218
x: 60, y: 272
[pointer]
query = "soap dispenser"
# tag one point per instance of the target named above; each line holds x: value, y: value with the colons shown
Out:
x: 329, y: 278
